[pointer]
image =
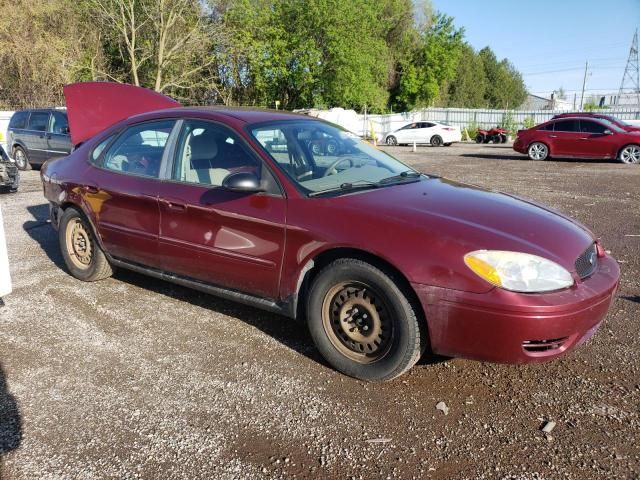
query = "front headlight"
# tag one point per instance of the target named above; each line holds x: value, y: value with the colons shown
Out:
x: 518, y: 272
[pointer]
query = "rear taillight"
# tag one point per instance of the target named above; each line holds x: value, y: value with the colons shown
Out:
x: 449, y: 129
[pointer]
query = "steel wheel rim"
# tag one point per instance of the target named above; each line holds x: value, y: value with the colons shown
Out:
x: 538, y: 151
x: 358, y: 322
x: 630, y: 154
x: 20, y: 158
x: 79, y: 244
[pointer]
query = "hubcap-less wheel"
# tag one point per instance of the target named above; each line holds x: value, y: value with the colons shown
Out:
x: 392, y: 140
x: 79, y: 244
x: 20, y: 158
x: 357, y: 321
x: 630, y: 154
x: 436, y: 141
x: 538, y: 151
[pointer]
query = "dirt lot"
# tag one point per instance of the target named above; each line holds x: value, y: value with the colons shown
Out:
x: 136, y: 378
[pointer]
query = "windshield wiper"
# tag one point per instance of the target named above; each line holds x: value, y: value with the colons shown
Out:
x: 347, y: 187
x: 402, y: 176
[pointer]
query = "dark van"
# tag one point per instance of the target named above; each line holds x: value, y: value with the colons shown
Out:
x: 35, y: 136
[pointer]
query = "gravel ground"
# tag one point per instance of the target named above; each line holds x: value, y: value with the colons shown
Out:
x: 136, y: 378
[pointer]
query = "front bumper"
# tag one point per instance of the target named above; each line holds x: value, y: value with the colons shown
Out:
x: 508, y: 327
x: 9, y: 176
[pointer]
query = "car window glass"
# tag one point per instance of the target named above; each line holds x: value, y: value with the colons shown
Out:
x: 95, y: 155
x: 319, y: 157
x: 591, y: 127
x: 38, y: 121
x: 208, y: 152
x: 19, y: 120
x: 566, y: 126
x: 59, y: 123
x: 139, y: 149
x: 427, y: 125
x: 547, y: 127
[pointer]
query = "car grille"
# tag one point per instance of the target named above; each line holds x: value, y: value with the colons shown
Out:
x: 538, y: 346
x: 587, y: 263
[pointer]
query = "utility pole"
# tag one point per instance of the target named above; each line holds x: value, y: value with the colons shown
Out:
x: 631, y: 72
x: 584, y: 83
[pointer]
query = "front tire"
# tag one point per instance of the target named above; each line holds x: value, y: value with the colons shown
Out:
x: 479, y: 138
x: 81, y: 252
x: 630, y: 154
x: 362, y: 322
x: 436, y: 141
x: 538, y: 151
x: 391, y: 140
x: 22, y: 161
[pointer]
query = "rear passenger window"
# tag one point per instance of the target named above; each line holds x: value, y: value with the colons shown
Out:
x: 38, y: 121
x: 567, y: 126
x: 19, y: 120
x: 59, y: 123
x: 139, y: 149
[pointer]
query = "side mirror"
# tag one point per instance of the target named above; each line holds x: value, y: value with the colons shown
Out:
x: 242, y: 182
x: 65, y: 130
x: 608, y: 132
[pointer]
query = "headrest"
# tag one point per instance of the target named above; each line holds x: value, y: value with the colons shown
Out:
x: 204, y: 146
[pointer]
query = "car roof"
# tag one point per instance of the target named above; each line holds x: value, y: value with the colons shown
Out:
x: 244, y: 114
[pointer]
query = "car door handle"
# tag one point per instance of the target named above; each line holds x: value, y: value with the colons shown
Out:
x: 553, y: 136
x: 177, y: 207
x: 584, y: 138
x: 91, y: 189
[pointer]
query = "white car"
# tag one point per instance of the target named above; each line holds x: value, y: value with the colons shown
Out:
x: 435, y: 133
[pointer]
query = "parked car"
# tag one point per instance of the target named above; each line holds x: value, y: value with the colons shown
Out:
x: 35, y: 136
x: 382, y: 261
x: 9, y: 175
x: 435, y: 133
x: 615, y: 120
x: 579, y: 137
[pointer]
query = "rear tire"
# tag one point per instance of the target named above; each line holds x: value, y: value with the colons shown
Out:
x: 436, y: 141
x: 479, y: 138
x: 81, y: 252
x: 538, y: 151
x: 496, y: 139
x: 362, y: 322
x: 503, y: 138
x: 22, y: 161
x: 630, y: 154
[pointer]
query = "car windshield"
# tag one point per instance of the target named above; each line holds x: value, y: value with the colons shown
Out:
x: 321, y: 158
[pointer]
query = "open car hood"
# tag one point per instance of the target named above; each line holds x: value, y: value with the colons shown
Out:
x: 95, y: 106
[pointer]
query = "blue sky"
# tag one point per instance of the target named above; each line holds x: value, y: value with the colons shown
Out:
x: 549, y: 41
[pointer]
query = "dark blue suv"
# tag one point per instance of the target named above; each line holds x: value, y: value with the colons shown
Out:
x: 35, y: 136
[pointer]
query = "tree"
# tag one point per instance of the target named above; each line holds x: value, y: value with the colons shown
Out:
x: 469, y: 86
x: 505, y: 86
x: 432, y: 66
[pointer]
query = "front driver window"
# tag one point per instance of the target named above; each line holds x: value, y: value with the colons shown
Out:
x: 207, y: 153
x: 139, y: 149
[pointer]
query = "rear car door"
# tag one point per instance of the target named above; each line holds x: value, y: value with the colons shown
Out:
x: 594, y: 142
x: 565, y: 138
x: 58, y: 139
x: 35, y: 137
x: 122, y: 191
x: 229, y: 239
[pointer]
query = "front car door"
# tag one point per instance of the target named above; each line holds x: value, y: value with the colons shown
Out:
x: 594, y: 142
x: 35, y: 137
x: 122, y: 191
x: 228, y: 239
x: 58, y: 139
x: 407, y: 134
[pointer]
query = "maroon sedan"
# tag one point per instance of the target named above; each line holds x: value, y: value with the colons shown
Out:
x: 579, y: 137
x: 382, y: 262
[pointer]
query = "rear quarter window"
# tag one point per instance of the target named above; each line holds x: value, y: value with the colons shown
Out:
x: 19, y: 120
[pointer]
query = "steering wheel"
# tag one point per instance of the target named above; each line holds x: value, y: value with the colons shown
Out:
x: 332, y: 168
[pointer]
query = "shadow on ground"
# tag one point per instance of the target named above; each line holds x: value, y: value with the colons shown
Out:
x: 632, y: 298
x: 10, y: 421
x: 502, y: 156
x: 291, y: 333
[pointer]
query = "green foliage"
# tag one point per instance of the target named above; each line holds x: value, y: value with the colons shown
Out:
x: 528, y: 122
x: 505, y: 87
x: 509, y: 123
x: 432, y: 65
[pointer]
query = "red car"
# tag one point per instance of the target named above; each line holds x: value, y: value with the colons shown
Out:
x: 382, y: 261
x: 580, y: 137
x: 610, y: 118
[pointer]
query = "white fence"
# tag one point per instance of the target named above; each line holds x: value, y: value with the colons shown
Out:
x: 462, y: 117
